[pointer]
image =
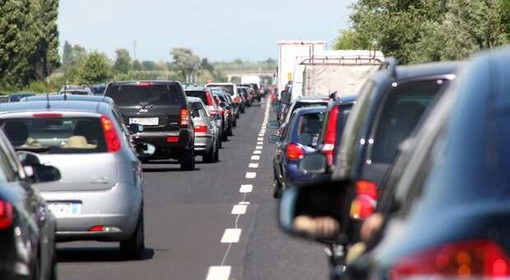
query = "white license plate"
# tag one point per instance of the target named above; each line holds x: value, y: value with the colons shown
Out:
x: 144, y: 121
x: 65, y: 208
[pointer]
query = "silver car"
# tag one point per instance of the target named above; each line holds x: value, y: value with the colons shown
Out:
x: 207, y: 142
x: 100, y: 194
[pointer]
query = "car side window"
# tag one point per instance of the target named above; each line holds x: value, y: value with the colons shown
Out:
x: 8, y: 167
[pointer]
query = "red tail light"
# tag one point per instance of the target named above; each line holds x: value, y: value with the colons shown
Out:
x: 172, y: 139
x: 237, y: 99
x: 208, y: 96
x: 365, y: 201
x: 47, y: 115
x: 218, y: 101
x: 476, y: 258
x: 294, y: 152
x: 330, y: 135
x: 6, y: 215
x: 222, y: 113
x: 112, y: 139
x: 144, y: 84
x: 201, y: 128
x: 184, y: 117
x: 98, y: 228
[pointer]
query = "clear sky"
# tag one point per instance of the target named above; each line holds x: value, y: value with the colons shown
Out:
x: 216, y: 29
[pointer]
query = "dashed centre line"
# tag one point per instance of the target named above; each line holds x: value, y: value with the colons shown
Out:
x: 257, y: 152
x: 260, y: 139
x: 246, y: 189
x: 255, y: 157
x: 253, y: 165
x: 231, y: 235
x: 219, y: 273
x: 251, y: 175
x: 239, y: 209
x: 259, y: 148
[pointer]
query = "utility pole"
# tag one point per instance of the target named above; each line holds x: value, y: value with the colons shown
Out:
x: 134, y: 50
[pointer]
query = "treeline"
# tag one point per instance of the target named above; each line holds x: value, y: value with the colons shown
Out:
x: 28, y: 41
x: 427, y: 30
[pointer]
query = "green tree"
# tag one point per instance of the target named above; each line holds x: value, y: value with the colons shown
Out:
x: 185, y: 62
x: 351, y: 40
x: 149, y: 65
x: 67, y: 55
x: 137, y: 65
x: 123, y: 62
x: 94, y: 69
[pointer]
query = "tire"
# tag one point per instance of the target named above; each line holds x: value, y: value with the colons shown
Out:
x: 133, y: 248
x: 234, y: 122
x: 242, y: 110
x: 230, y: 131
x: 209, y: 156
x: 220, y: 141
x: 216, y: 156
x: 187, y: 160
x: 224, y: 137
x: 277, y: 189
x: 53, y: 272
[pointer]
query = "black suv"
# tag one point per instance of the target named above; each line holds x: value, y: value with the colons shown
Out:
x: 161, y: 108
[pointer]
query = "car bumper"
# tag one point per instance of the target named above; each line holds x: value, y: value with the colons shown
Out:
x: 203, y: 143
x: 164, y: 139
x: 294, y: 176
x: 116, y: 209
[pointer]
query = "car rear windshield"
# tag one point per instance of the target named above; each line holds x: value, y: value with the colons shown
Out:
x: 400, y: 114
x: 308, y: 128
x: 133, y: 95
x: 226, y: 88
x: 197, y: 93
x: 56, y: 135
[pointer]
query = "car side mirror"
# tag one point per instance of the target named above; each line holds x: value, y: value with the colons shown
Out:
x: 135, y: 128
x: 195, y: 106
x: 273, y: 125
x: 274, y: 138
x: 314, y: 211
x: 313, y: 163
x: 223, y: 105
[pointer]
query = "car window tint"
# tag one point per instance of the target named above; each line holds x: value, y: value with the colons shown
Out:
x: 401, y: 112
x: 56, y: 135
x: 308, y: 128
x: 197, y: 93
x: 132, y: 95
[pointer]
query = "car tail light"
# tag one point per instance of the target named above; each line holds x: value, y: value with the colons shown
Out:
x: 47, y: 115
x: 172, y: 139
x: 98, y: 228
x: 184, y: 117
x: 222, y: 113
x: 218, y: 101
x: 365, y: 201
x: 330, y: 135
x: 208, y: 96
x: 112, y: 139
x: 144, y: 84
x: 237, y: 99
x: 475, y: 258
x: 6, y: 214
x: 201, y: 128
x: 294, y: 152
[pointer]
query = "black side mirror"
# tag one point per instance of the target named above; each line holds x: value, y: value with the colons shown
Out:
x: 135, y: 128
x: 313, y: 163
x: 314, y: 211
x: 223, y: 105
x: 273, y: 124
x: 274, y: 138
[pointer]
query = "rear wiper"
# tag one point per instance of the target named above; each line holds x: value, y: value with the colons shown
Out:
x: 32, y: 149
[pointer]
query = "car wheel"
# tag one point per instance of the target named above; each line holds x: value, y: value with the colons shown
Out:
x: 188, y: 159
x: 209, y: 156
x: 242, y: 110
x: 216, y: 156
x: 277, y: 189
x: 134, y: 247
x: 230, y: 130
x: 53, y: 272
x: 234, y: 122
x: 224, y: 137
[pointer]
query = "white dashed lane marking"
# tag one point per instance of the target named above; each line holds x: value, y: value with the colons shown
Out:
x: 253, y: 165
x: 259, y: 148
x: 251, y: 175
x: 246, y: 189
x: 255, y: 157
x: 231, y: 235
x: 219, y: 273
x: 239, y: 209
x: 258, y: 152
x: 260, y: 139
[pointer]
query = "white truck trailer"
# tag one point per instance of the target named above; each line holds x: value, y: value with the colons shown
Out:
x: 288, y: 52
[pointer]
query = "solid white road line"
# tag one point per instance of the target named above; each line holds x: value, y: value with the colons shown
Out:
x: 218, y: 273
x: 251, y: 175
x: 255, y: 157
x: 246, y: 189
x: 257, y: 152
x: 253, y: 165
x: 231, y: 235
x: 239, y: 209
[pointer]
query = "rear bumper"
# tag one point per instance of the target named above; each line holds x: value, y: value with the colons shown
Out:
x: 203, y: 143
x: 295, y: 176
x: 117, y: 208
x: 160, y: 139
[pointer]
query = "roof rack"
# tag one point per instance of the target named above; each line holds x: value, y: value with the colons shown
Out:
x: 391, y: 64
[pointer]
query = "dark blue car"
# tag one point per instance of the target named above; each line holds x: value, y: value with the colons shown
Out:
x: 297, y: 139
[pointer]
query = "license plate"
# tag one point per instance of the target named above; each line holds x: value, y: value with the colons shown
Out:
x: 144, y: 121
x: 65, y: 208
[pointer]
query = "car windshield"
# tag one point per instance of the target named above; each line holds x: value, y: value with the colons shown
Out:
x: 401, y: 113
x: 225, y: 88
x: 56, y: 135
x: 133, y: 95
x: 308, y: 128
x: 197, y: 93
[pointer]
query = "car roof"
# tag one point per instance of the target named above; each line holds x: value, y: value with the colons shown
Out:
x: 407, y: 72
x: 62, y: 106
x: 309, y: 110
x: 196, y: 89
x: 71, y: 97
x: 312, y: 99
x: 132, y: 82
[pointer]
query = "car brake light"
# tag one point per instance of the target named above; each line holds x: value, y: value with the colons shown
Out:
x: 6, y: 215
x: 144, y: 84
x: 208, y: 96
x: 98, y: 228
x: 201, y: 128
x: 218, y: 101
x: 365, y: 201
x: 330, y: 135
x: 172, y: 139
x: 236, y: 99
x: 475, y: 258
x: 184, y: 117
x: 112, y: 139
x: 222, y: 113
x: 294, y: 152
x: 47, y: 115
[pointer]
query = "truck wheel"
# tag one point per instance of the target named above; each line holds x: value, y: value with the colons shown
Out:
x: 188, y: 159
x: 133, y: 248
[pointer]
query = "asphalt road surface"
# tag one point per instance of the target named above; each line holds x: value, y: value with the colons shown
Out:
x: 217, y: 222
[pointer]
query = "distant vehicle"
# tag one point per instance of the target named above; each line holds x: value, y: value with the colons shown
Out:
x: 207, y: 141
x: 297, y: 139
x: 213, y: 107
x: 162, y: 109
x: 226, y: 105
x: 27, y: 228
x: 231, y: 89
x: 16, y: 97
x: 78, y: 90
x: 106, y: 202
x: 98, y: 89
